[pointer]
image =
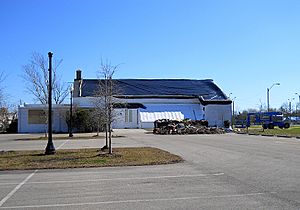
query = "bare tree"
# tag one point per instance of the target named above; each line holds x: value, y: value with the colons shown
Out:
x: 36, y: 78
x: 105, y: 100
x: 261, y: 106
x: 7, y: 113
x: 3, y: 102
x: 4, y: 118
x: 98, y: 113
x: 284, y: 108
x: 4, y: 111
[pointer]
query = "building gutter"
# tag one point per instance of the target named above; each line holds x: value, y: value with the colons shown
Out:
x: 154, y: 96
x: 218, y: 102
x: 200, y: 98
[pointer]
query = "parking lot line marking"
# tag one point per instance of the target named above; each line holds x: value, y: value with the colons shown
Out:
x: 63, y: 144
x: 8, y: 196
x: 218, y: 174
x: 118, y: 179
x: 122, y: 179
x: 135, y: 201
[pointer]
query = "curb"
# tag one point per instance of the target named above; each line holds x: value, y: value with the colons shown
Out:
x: 284, y: 136
x: 253, y: 134
x: 268, y: 135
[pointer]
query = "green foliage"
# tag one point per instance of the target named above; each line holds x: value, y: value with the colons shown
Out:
x: 82, y: 120
x: 85, y: 120
x: 292, y: 131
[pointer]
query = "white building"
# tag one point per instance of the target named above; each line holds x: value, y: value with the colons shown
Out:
x: 160, y: 99
x: 32, y: 118
x: 144, y: 101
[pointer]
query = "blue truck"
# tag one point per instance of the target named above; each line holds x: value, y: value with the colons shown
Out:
x: 268, y: 120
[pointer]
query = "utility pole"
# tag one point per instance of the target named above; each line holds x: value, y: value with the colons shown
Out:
x: 268, y: 99
x: 233, y: 115
x: 50, y: 149
x: 268, y: 95
x: 290, y: 105
x: 297, y: 104
x: 71, y: 110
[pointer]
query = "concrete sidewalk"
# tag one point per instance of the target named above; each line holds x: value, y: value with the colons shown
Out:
x: 116, y: 132
x: 9, y: 142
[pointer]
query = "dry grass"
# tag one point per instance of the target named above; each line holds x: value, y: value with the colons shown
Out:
x: 82, y: 158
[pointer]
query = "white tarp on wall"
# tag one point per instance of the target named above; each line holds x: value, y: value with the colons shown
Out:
x: 189, y: 110
x: 152, y: 116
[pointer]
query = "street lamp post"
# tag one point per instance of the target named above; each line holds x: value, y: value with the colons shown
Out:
x: 71, y: 114
x: 233, y: 115
x: 268, y: 95
x: 290, y: 105
x: 50, y: 149
x: 298, y: 102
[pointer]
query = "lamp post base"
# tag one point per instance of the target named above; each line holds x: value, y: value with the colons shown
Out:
x: 50, y: 149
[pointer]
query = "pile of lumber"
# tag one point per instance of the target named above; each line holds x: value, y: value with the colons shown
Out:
x: 166, y: 126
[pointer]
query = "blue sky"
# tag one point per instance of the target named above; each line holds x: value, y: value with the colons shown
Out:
x: 244, y: 46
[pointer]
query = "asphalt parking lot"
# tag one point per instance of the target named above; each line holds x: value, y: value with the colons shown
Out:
x: 220, y: 172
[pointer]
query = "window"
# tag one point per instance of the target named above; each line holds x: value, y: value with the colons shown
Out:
x: 36, y: 117
x: 128, y: 115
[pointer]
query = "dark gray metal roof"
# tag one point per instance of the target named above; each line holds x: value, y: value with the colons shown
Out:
x: 206, y: 89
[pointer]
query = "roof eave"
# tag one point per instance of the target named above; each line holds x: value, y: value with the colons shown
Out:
x: 154, y: 96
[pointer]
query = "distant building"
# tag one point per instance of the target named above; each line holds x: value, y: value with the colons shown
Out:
x: 32, y: 118
x: 142, y: 102
x: 160, y: 99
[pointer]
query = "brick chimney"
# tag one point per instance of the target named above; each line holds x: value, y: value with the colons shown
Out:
x: 77, y: 84
x: 78, y: 74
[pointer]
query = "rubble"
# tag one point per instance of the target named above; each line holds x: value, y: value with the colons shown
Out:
x: 166, y: 126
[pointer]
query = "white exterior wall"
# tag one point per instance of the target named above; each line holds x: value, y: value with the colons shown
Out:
x: 58, y: 120
x: 190, y: 108
x: 126, y: 118
x: 122, y: 119
x: 145, y: 125
x: 216, y: 114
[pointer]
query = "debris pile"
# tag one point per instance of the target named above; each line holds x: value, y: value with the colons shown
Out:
x: 166, y: 126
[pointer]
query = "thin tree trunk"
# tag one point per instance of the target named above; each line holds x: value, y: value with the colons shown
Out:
x: 98, y: 128
x: 109, y: 146
x: 106, y: 135
x: 106, y: 115
x: 110, y: 114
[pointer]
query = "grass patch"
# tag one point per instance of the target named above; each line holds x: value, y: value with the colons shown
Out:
x: 293, y: 131
x: 83, y: 158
